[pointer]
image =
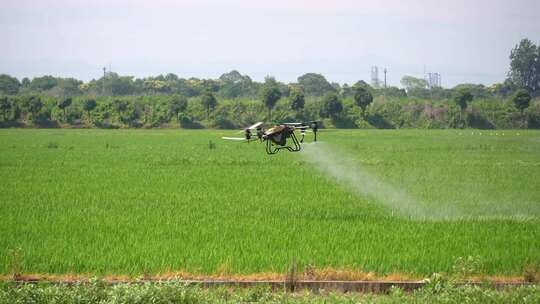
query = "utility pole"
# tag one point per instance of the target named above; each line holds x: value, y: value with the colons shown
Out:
x: 103, y: 83
x: 385, y: 77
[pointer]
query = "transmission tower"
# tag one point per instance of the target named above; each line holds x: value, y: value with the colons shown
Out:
x: 433, y: 80
x: 374, y: 76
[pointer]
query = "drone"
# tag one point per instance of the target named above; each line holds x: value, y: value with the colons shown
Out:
x: 280, y: 136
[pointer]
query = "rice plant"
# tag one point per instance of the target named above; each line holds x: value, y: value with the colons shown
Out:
x: 163, y: 201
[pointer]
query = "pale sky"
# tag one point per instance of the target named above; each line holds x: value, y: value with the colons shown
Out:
x: 465, y: 41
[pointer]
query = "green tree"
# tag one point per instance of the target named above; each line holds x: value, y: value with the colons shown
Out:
x: 411, y: 83
x: 115, y: 85
x: 127, y: 112
x: 130, y: 115
x: 171, y: 77
x: 394, y: 92
x: 336, y: 87
x: 521, y: 99
x: 363, y: 84
x: 271, y: 81
x: 156, y: 86
x: 9, y: 85
x: 159, y: 113
x: 362, y: 97
x: 209, y: 102
x: 504, y: 89
x: 478, y: 91
x: 121, y: 85
x: 186, y: 88
x: 235, y: 85
x: 89, y: 105
x: 346, y: 91
x: 270, y: 95
x: 120, y: 106
x: 67, y: 87
x: 297, y: 99
x: 525, y: 66
x: 462, y: 97
x: 177, y: 105
x: 315, y: 84
x: 63, y: 104
x: 210, y: 85
x: 421, y: 93
x: 43, y: 83
x: 34, y: 105
x: 25, y: 82
x: 331, y: 105
x: 5, y: 107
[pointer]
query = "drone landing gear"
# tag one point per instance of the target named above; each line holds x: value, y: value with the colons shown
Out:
x: 272, y: 148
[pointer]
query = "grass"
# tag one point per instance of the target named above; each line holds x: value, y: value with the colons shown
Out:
x: 175, y: 292
x: 156, y: 201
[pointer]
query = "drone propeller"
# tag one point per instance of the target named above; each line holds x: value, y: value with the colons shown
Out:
x: 304, y: 129
x: 294, y: 123
x: 307, y: 127
x: 234, y: 138
x: 245, y: 140
x: 305, y: 124
x: 254, y: 126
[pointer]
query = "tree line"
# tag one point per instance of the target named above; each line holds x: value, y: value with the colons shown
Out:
x: 235, y: 100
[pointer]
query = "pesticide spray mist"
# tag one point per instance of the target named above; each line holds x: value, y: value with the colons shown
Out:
x: 338, y: 166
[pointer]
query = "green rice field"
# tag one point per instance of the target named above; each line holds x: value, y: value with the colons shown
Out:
x: 396, y: 201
